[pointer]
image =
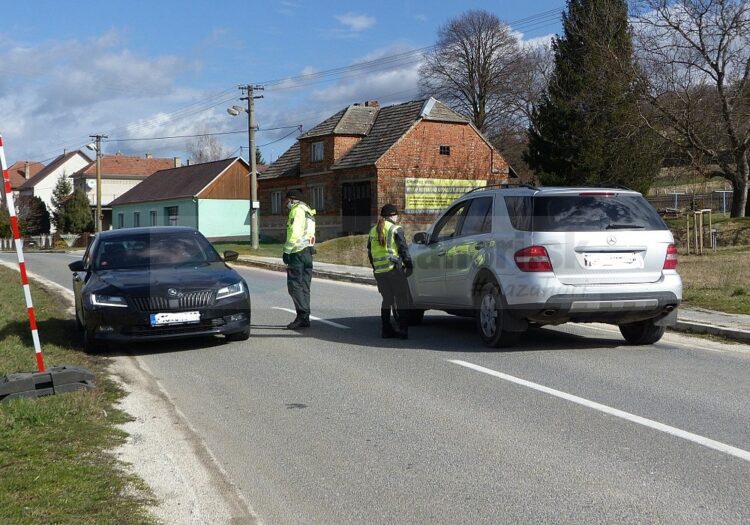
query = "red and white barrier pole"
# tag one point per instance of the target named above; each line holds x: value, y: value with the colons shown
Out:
x: 19, y: 252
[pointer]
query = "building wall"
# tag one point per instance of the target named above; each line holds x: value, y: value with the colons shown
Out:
x: 219, y: 218
x: 187, y: 213
x: 234, y: 183
x: 417, y: 155
x: 111, y: 188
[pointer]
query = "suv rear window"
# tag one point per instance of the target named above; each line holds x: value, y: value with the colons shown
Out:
x: 566, y: 213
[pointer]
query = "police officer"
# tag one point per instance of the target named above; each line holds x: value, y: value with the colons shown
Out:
x: 391, y: 263
x: 298, y: 256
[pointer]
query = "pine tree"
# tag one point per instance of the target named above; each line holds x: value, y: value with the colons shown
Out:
x: 33, y: 217
x: 77, y: 214
x: 587, y: 129
x: 59, y: 194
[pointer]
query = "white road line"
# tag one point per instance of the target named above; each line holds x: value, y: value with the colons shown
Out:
x: 695, y: 438
x: 313, y: 318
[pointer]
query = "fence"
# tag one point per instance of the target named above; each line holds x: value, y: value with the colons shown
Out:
x: 45, y: 242
x: 717, y: 202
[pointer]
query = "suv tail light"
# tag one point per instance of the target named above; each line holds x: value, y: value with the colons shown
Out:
x: 670, y: 261
x: 533, y: 259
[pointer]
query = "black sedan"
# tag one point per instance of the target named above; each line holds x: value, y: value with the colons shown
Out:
x: 148, y: 284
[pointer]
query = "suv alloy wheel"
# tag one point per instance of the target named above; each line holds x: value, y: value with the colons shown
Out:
x: 490, y: 313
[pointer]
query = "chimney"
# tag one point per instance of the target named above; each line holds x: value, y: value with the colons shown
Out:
x: 372, y: 104
x: 149, y: 156
x: 26, y: 170
x: 177, y: 162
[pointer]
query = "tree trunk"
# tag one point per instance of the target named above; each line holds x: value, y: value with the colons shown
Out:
x: 744, y: 175
x: 739, y: 197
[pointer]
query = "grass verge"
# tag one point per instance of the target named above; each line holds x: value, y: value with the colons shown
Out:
x: 56, y: 464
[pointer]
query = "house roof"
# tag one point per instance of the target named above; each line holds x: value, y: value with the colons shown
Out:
x: 124, y: 166
x: 176, y: 183
x: 50, y: 168
x: 353, y: 120
x: 388, y: 125
x: 18, y: 170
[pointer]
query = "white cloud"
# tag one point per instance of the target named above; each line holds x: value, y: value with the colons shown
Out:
x: 356, y: 22
x: 54, y: 94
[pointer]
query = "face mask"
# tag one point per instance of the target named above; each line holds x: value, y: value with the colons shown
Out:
x: 290, y: 204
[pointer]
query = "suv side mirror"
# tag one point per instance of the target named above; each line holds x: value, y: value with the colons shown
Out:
x: 230, y: 255
x: 76, y: 266
x: 420, y: 238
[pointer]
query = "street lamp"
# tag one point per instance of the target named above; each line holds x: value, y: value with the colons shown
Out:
x: 250, y: 110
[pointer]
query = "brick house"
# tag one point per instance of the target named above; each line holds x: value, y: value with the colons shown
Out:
x: 418, y: 155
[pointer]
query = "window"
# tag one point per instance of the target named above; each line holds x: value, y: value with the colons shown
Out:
x: 171, y: 214
x: 479, y: 217
x: 136, y: 219
x: 316, y: 155
x: 318, y: 198
x: 275, y: 202
x: 120, y: 220
x: 445, y: 150
x: 152, y: 215
x: 450, y: 223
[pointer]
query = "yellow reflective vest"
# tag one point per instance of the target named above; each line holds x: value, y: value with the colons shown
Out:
x: 384, y: 258
x: 300, y: 228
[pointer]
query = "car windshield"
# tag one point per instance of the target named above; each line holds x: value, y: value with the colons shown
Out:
x: 153, y: 249
x: 570, y: 213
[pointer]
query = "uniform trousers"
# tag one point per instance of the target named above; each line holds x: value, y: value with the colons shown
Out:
x: 298, y: 278
x: 394, y: 288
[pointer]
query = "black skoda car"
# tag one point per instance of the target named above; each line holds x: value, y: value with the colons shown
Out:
x: 146, y: 284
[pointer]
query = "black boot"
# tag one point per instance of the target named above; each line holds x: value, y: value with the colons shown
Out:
x: 386, y: 330
x: 299, y: 322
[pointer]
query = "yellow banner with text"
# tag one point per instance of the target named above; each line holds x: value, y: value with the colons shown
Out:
x: 434, y: 195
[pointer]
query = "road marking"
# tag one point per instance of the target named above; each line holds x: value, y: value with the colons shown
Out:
x: 695, y: 438
x: 313, y: 318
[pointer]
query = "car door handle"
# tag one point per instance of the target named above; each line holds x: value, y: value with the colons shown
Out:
x: 479, y: 245
x: 440, y: 253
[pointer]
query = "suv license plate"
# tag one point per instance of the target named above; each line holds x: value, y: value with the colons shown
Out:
x: 175, y: 318
x: 610, y: 260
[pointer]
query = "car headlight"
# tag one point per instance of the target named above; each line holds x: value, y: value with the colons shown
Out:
x: 108, y: 300
x: 229, y: 291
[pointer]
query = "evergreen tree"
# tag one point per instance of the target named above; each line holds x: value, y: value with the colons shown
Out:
x: 77, y: 214
x: 587, y: 129
x: 59, y: 194
x: 33, y: 217
x: 5, y: 230
x: 259, y: 157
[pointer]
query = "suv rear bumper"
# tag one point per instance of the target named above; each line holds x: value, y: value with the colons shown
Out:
x: 618, y: 308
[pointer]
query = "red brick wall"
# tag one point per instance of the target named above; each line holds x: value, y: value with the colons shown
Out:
x: 417, y: 155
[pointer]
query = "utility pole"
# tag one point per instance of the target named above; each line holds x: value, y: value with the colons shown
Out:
x: 254, y: 204
x: 98, y: 139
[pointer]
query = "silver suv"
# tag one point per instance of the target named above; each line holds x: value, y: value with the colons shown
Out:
x: 515, y: 256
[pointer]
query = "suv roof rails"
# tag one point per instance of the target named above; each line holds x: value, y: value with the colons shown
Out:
x: 503, y: 185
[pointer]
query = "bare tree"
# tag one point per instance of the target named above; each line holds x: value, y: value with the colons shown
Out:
x: 696, y: 56
x: 206, y: 148
x: 475, y: 67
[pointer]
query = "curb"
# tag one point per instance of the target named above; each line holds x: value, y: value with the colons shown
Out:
x: 681, y: 326
x: 324, y: 274
x: 699, y: 328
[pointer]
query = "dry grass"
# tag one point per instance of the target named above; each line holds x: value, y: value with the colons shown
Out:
x: 717, y: 281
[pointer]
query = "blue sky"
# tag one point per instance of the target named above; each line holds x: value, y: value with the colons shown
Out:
x: 148, y: 69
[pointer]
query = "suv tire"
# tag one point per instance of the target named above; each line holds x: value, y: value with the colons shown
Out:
x: 490, y: 313
x: 642, y: 332
x: 415, y: 316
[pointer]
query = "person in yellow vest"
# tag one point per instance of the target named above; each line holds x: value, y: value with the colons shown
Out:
x: 299, y: 249
x: 391, y: 264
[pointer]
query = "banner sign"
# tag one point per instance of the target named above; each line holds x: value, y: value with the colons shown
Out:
x: 434, y: 195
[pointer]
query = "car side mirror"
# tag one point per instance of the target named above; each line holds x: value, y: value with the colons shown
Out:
x: 420, y: 238
x: 77, y: 266
x: 230, y: 255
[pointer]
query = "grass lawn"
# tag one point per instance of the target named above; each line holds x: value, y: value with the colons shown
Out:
x: 54, y: 461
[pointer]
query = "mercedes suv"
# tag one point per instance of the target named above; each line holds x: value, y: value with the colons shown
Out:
x: 515, y: 256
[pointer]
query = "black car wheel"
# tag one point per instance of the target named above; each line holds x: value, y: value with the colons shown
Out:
x: 642, y: 332
x: 244, y: 335
x: 489, y: 317
x: 415, y: 316
x: 90, y: 344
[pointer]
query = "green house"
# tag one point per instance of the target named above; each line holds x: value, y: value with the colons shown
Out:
x: 213, y: 197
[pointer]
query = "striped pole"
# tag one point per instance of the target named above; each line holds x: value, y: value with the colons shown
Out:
x: 21, y: 262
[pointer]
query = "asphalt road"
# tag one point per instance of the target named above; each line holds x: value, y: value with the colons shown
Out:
x: 335, y: 425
